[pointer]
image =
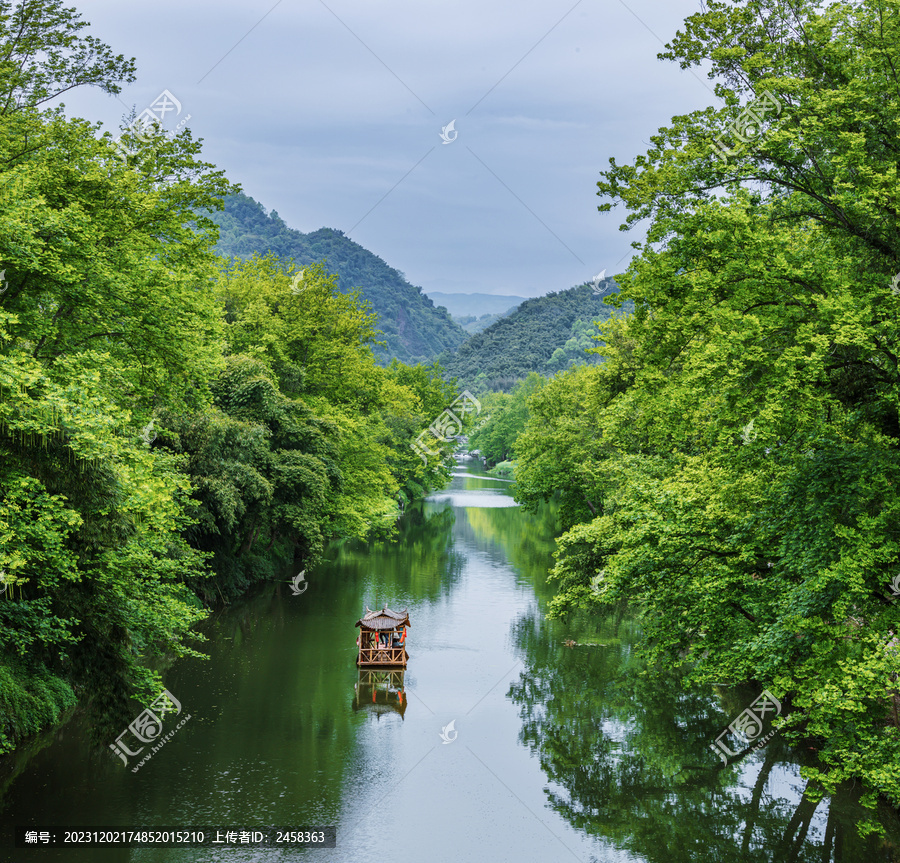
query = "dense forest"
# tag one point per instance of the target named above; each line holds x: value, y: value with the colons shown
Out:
x: 543, y: 335
x: 173, y: 425
x: 732, y: 468
x: 412, y: 328
x: 503, y: 418
x: 192, y: 393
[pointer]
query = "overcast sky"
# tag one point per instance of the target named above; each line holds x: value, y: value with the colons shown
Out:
x: 331, y: 113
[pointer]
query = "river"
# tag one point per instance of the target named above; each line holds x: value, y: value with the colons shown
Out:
x: 508, y: 738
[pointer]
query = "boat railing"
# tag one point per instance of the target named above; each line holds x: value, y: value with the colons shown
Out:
x: 382, y: 654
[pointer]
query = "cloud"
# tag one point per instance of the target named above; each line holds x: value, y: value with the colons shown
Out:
x: 320, y: 110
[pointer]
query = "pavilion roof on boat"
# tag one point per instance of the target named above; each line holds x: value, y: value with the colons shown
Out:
x: 383, y: 619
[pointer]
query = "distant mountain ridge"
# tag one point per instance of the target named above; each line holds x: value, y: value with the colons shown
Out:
x: 476, y: 312
x: 461, y: 305
x: 415, y: 330
x: 544, y: 335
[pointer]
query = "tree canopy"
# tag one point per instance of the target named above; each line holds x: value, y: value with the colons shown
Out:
x: 173, y: 425
x: 732, y: 467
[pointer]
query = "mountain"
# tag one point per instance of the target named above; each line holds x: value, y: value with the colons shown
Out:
x: 475, y: 305
x: 544, y: 335
x: 476, y: 312
x: 414, y: 329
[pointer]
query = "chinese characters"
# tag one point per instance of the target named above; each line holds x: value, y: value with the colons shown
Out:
x: 145, y: 123
x: 748, y: 125
x: 447, y: 425
x: 749, y: 725
x: 148, y: 725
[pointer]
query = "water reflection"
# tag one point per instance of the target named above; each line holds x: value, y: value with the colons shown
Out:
x: 481, y: 476
x: 474, y: 498
x: 581, y: 750
x: 628, y: 761
x: 379, y: 692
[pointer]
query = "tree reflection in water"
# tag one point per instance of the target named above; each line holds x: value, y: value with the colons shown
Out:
x: 628, y: 760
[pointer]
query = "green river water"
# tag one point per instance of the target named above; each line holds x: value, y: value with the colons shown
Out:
x: 556, y: 751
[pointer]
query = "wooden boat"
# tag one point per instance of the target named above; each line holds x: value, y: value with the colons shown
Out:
x: 382, y: 637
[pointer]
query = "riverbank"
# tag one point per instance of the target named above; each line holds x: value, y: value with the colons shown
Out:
x: 599, y: 756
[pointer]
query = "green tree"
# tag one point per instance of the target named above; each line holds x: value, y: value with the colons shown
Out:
x: 43, y: 55
x: 262, y: 468
x: 105, y: 313
x: 505, y: 417
x: 316, y: 341
x: 742, y: 471
x: 432, y: 395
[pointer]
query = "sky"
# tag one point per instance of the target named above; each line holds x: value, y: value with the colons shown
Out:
x: 337, y: 113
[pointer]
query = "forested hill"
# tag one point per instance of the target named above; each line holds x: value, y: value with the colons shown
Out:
x: 545, y: 335
x: 415, y: 330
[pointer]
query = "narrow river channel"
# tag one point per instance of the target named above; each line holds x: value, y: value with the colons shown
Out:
x: 502, y: 741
